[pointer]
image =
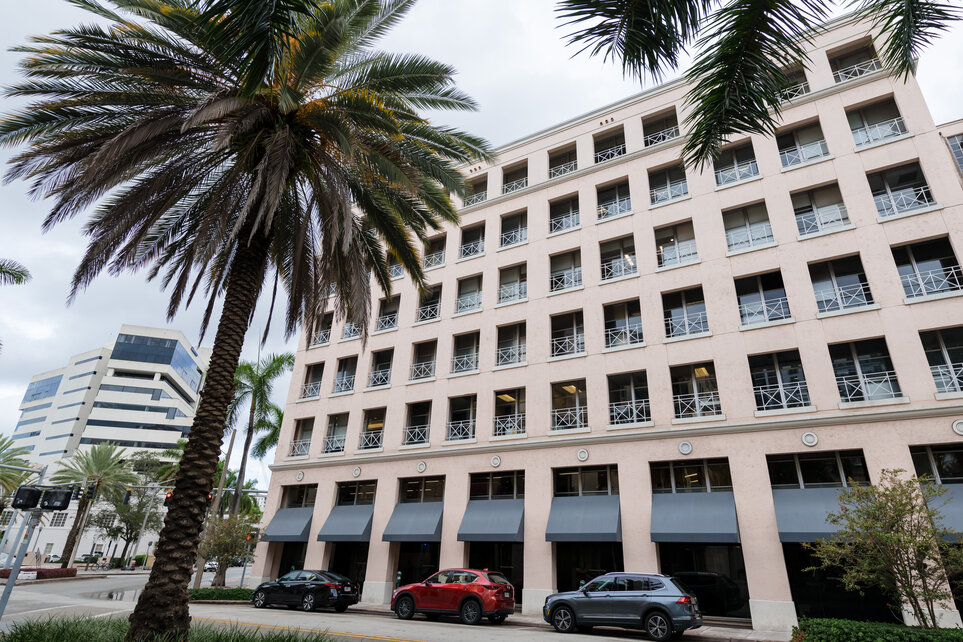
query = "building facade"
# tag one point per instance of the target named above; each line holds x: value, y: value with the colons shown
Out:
x: 627, y: 364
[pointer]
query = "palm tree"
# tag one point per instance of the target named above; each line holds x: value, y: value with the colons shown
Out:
x: 270, y: 426
x: 11, y: 455
x: 745, y: 50
x: 224, y: 143
x: 171, y: 462
x: 12, y: 273
x: 103, y: 468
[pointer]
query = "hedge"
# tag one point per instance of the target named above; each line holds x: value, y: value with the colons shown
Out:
x: 830, y: 630
x: 236, y: 594
x: 43, y: 573
x: 115, y: 630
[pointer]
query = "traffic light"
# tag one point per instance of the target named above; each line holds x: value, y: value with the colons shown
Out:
x: 26, y: 497
x: 55, y: 499
x: 126, y: 499
x: 76, y: 491
x: 91, y: 491
x: 167, y: 497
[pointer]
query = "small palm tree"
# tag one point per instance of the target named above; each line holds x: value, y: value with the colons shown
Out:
x: 104, y: 468
x: 11, y: 455
x: 270, y: 428
x: 12, y: 273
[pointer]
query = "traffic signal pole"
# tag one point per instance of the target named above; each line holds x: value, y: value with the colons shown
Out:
x: 23, y: 526
x: 31, y: 523
x: 151, y: 488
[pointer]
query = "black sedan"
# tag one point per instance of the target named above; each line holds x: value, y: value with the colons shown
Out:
x: 308, y: 590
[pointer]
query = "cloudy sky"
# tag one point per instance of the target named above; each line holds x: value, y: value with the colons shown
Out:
x: 510, y: 57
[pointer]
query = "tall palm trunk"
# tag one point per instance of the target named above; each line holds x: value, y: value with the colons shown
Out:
x: 216, y: 508
x: 162, y: 609
x: 67, y: 557
x: 236, y: 503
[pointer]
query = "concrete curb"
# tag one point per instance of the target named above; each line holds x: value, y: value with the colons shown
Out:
x: 60, y: 579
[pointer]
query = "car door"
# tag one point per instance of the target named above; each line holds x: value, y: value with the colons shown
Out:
x: 278, y: 592
x: 628, y: 603
x: 593, y: 603
x: 432, y: 592
x: 456, y: 589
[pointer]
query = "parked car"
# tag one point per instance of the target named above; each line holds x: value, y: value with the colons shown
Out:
x: 654, y: 603
x: 210, y: 566
x: 717, y: 594
x: 53, y: 559
x: 468, y: 593
x: 307, y: 590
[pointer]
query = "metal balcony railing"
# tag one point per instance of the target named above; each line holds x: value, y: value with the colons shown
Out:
x: 563, y: 222
x: 433, y: 260
x: 334, y: 444
x: 311, y: 389
x: 351, y: 331
x: 662, y: 136
x: 563, y: 169
x: 565, y: 279
x: 476, y: 198
x: 388, y: 321
x: 803, y: 153
x: 464, y: 362
x: 866, y: 387
x: 396, y: 270
x: 300, y: 448
x: 623, y: 336
x: 332, y: 290
x: 629, y: 412
x: 879, y: 131
x: 765, y: 311
x: 460, y: 430
x: 669, y: 191
x: 344, y: 383
x: 679, y: 254
x: 857, y: 70
x: 380, y: 377
x: 793, y: 92
x: 844, y: 297
x: 507, y: 355
x: 517, y: 291
x: 468, y: 302
x: 422, y: 370
x: 572, y: 343
x: 321, y: 337
x: 821, y: 219
x: 509, y: 425
x: 622, y: 266
x: 416, y: 435
x: 782, y: 396
x: 936, y: 281
x: 749, y: 236
x: 569, y: 418
x: 902, y: 200
x: 428, y: 312
x: 614, y: 208
x: 694, y: 323
x: 514, y: 237
x: 515, y: 185
x: 371, y: 439
x: 472, y: 248
x: 609, y: 153
x: 948, y: 377
x: 703, y: 404
x: 737, y: 172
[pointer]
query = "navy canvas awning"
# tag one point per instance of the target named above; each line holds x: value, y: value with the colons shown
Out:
x: 347, y: 524
x: 493, y: 520
x: 289, y: 525
x: 801, y: 513
x: 694, y: 517
x: 415, y: 523
x: 591, y: 518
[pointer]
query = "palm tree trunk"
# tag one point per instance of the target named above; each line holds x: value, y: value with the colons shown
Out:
x: 236, y: 504
x: 199, y: 564
x: 66, y: 558
x: 162, y: 608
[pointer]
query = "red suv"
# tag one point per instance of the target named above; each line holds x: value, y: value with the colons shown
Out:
x: 468, y: 593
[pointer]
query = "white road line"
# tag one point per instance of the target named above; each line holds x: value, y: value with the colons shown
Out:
x: 49, y: 608
x: 115, y: 612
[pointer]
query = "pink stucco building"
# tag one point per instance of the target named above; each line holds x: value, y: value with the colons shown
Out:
x: 628, y: 364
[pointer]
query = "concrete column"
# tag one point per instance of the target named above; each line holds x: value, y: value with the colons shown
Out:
x: 380, y: 573
x: 638, y: 549
x: 539, y: 560
x: 318, y: 553
x: 453, y: 553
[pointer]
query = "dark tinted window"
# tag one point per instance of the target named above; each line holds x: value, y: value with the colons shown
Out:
x: 782, y: 472
x: 497, y: 578
x: 287, y: 577
x: 655, y: 584
x: 422, y: 489
x: 820, y: 470
x: 601, y: 584
x: 356, y: 493
x: 633, y: 583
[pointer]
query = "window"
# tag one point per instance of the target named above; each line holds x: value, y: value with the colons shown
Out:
x: 422, y: 490
x: 831, y: 469
x: 569, y: 410
x: 796, y: 84
x: 778, y: 381
x: 419, y: 420
x: 840, y: 284
x: 618, y: 258
x: 513, y: 284
x: 301, y: 444
x: 130, y: 347
x: 694, y: 391
x: 509, y: 412
x: 609, y: 145
x: 344, y: 379
x: 511, y: 345
x: 423, y: 360
x: 566, y: 271
x: 461, y: 418
x: 736, y: 164
x: 515, y: 178
x: 876, y: 122
x: 356, y: 493
x: 762, y: 299
x: 900, y: 190
x: 312, y: 380
x: 562, y: 161
x: 623, y: 324
x: 434, y: 252
x: 614, y: 200
x: 864, y: 371
x: 628, y: 398
x: 685, y: 313
x: 373, y: 433
x: 587, y: 480
x: 472, y: 242
x: 322, y: 333
x: 676, y: 245
x: 660, y: 128
x: 301, y: 496
x: 568, y: 334
x: 429, y: 308
x: 58, y: 520
x: 514, y: 229
x: 501, y: 485
x: 478, y: 191
x: 748, y: 228
x: 465, y: 354
x: 563, y: 215
x: 469, y: 295
x: 381, y: 368
x: 802, y: 145
x: 691, y: 476
x: 928, y: 268
x: 956, y: 148
x: 667, y: 184
x: 388, y: 314
x: 854, y: 62
x: 337, y: 429
x: 944, y: 463
x: 819, y: 210
x: 944, y: 353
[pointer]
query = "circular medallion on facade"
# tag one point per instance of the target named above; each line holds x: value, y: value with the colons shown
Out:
x: 421, y: 466
x: 496, y: 461
x: 299, y: 476
x: 357, y: 471
x: 810, y: 439
x: 582, y: 455
x: 685, y: 447
x: 958, y: 426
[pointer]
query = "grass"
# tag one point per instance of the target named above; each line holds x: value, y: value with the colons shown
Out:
x: 238, y: 594
x: 114, y: 630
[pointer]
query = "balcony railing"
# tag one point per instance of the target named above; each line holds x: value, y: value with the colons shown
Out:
x: 472, y: 248
x: 468, y: 302
x: 749, y: 236
x: 857, y: 70
x: 517, y: 291
x: 435, y: 259
x: 694, y: 323
x: 509, y: 425
x: 380, y: 377
x: 563, y: 169
x: 803, y: 153
x: 614, y: 208
x: 570, y: 418
x: 344, y: 383
x: 321, y: 337
x: 334, y: 444
x: 428, y: 312
x: 609, y: 153
x: 572, y: 343
x: 507, y: 355
x: 422, y: 370
x: 563, y: 222
x: 388, y: 321
x: 565, y: 279
x: 311, y: 389
x: 879, y: 131
x: 737, y: 172
x: 396, y: 270
x: 821, y: 219
x: 703, y: 404
x: 459, y: 430
x: 416, y: 435
x: 765, y: 311
x: 678, y: 254
x: 514, y: 237
x: 300, y: 448
x: 669, y: 191
x: 902, y: 200
x: 669, y: 133
x: 514, y: 186
x: 622, y: 266
x: 332, y: 290
x: 948, y: 377
x: 927, y: 282
x: 843, y: 297
x: 624, y: 336
x: 464, y: 362
x: 351, y: 331
x: 792, y: 92
x: 629, y: 412
x: 782, y: 396
x: 476, y: 198
x: 867, y: 387
x: 371, y: 439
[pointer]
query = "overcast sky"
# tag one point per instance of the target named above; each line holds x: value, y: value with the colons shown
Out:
x: 510, y: 57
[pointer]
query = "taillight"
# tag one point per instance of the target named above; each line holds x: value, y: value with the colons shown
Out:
x: 685, y: 599
x: 334, y: 586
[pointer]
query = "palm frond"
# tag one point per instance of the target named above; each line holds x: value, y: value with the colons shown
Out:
x: 906, y: 28
x: 13, y: 273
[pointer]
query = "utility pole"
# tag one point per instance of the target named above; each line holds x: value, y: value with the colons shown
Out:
x: 12, y: 579
x: 151, y: 488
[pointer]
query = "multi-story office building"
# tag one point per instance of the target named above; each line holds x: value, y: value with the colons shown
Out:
x: 625, y: 363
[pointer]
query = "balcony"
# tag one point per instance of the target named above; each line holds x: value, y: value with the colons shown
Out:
x: 476, y: 198
x: 422, y: 370
x: 903, y: 200
x: 396, y: 271
x: 513, y: 292
x: 669, y: 192
x: 416, y: 435
x: 792, y: 92
x: 803, y: 153
x: 929, y: 282
x: 764, y: 311
x: 570, y: 418
x: 506, y: 425
x: 514, y: 237
x: 782, y: 396
x: 433, y: 260
x: 629, y: 412
x: 749, y: 236
x: 879, y: 131
x: 857, y: 70
x: 563, y: 222
x: 615, y: 208
x: 344, y: 383
x: 473, y: 248
x: 461, y: 430
x: 705, y: 404
x: 508, y: 355
x: 624, y: 336
x: 380, y: 377
x: 300, y: 448
x: 844, y: 297
x: 563, y: 169
x: 568, y: 344
x: 514, y: 186
x: 681, y: 253
x: 332, y: 290
x: 468, y: 302
x: 609, y: 153
x: 428, y: 312
x: 351, y: 331
x: 619, y: 267
x: 311, y: 390
x: 334, y: 444
x: 464, y: 363
x: 371, y: 440
x: 872, y: 386
x: 735, y: 173
x: 663, y: 136
x: 948, y: 377
x: 321, y: 337
x: 565, y: 279
x: 821, y: 219
x: 688, y: 324
x: 387, y: 322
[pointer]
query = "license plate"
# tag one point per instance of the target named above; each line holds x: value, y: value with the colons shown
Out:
x: 346, y: 589
x: 507, y: 594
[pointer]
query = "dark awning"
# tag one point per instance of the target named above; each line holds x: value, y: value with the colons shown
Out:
x: 493, y: 520
x: 801, y: 513
x: 594, y: 518
x: 694, y: 517
x: 289, y: 525
x: 347, y: 524
x: 415, y: 523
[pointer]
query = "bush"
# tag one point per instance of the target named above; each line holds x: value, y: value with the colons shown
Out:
x: 237, y: 594
x: 139, y: 560
x: 829, y: 630
x: 43, y: 573
x: 114, y: 630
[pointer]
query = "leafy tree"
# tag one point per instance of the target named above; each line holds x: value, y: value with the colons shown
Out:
x: 891, y: 535
x: 744, y: 50
x: 270, y: 427
x: 12, y: 273
x: 11, y: 455
x: 226, y: 540
x: 117, y: 520
x: 220, y: 143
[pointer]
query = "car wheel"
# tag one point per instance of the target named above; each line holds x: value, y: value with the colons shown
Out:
x: 340, y: 607
x: 563, y: 619
x: 405, y: 608
x: 658, y: 626
x: 470, y: 612
x: 259, y: 599
x: 496, y: 619
x: 307, y: 602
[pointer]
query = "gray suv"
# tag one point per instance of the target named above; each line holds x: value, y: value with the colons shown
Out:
x: 657, y: 604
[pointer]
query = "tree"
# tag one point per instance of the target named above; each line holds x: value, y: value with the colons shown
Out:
x: 11, y: 455
x: 745, y: 50
x: 117, y: 520
x: 891, y: 536
x: 270, y: 427
x: 104, y: 470
x: 228, y: 539
x: 12, y: 273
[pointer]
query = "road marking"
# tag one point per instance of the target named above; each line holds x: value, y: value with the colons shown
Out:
x: 108, y: 614
x: 303, y: 630
x: 49, y: 608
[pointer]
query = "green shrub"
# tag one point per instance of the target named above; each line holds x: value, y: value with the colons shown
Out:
x: 114, y: 630
x: 239, y: 594
x: 139, y: 560
x: 830, y: 630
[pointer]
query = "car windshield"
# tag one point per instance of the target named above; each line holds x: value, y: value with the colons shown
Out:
x: 288, y: 577
x: 337, y: 577
x: 498, y: 578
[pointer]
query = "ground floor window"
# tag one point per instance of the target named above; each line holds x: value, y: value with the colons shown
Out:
x: 292, y: 557
x: 577, y: 563
x: 505, y: 557
x: 350, y: 559
x: 417, y: 560
x: 714, y: 573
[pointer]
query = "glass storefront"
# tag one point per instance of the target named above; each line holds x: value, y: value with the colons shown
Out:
x: 417, y: 560
x: 505, y: 557
x: 714, y: 573
x: 576, y: 563
x: 292, y: 557
x: 350, y: 559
